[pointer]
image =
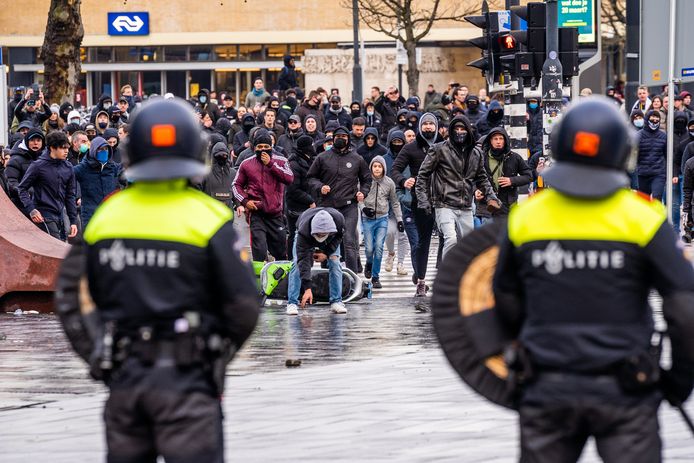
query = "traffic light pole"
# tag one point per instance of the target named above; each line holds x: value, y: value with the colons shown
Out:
x: 518, y: 130
x: 551, y: 76
x: 357, y: 90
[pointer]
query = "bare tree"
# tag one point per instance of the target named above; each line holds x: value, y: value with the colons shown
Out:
x: 410, y: 21
x: 614, y: 19
x: 60, y: 52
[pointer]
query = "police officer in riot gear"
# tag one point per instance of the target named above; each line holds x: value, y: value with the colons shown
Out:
x: 572, y: 282
x: 160, y: 296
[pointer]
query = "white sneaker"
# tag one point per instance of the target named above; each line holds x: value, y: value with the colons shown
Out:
x: 401, y: 270
x: 338, y: 307
x: 292, y: 309
x: 389, y: 262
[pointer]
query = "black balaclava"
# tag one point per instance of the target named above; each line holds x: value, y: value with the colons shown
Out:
x: 263, y: 137
x: 340, y: 145
x: 456, y: 139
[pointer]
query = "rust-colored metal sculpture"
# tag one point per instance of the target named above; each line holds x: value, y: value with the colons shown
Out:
x: 29, y: 261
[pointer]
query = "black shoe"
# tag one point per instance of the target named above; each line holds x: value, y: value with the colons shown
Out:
x: 421, y: 290
x: 414, y: 279
x: 376, y: 283
x: 367, y: 271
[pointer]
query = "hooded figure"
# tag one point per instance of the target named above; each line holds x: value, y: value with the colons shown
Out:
x: 65, y: 109
x: 680, y: 135
x: 21, y: 156
x: 335, y: 112
x: 651, y: 163
x: 474, y: 110
x: 396, y: 141
x: 241, y: 138
x: 74, y: 117
x: 376, y: 149
x: 637, y: 119
x: 355, y: 109
x: 217, y: 183
x: 98, y: 176
x: 220, y: 132
x: 105, y: 102
x: 682, y: 149
x: 116, y: 154
x: 205, y: 104
x: 495, y: 118
x: 316, y: 134
x: 102, y: 125
x: 287, y: 78
x: 503, y: 163
x: 298, y: 195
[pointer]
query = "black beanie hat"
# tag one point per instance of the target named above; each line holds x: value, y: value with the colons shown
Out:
x: 262, y: 136
x: 304, y: 144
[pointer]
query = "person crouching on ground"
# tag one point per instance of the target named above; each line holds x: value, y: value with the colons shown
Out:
x: 319, y: 233
x: 381, y: 198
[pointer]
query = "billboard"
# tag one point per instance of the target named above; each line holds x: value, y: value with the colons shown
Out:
x: 582, y: 15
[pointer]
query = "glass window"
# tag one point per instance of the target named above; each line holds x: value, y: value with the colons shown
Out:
x: 83, y: 54
x: 199, y: 79
x: 225, y: 81
x: 149, y: 54
x: 128, y: 77
x: 225, y: 52
x: 126, y: 54
x: 176, y: 83
x: 324, y: 45
x: 175, y: 53
x: 251, y: 52
x: 201, y: 53
x: 101, y: 84
x: 276, y: 52
x: 151, y: 82
x: 81, y: 90
x: 297, y: 50
x: 100, y: 55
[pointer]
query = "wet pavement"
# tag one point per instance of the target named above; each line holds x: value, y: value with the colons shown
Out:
x: 373, y: 386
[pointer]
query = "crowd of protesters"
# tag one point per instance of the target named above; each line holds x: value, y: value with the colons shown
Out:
x: 398, y: 170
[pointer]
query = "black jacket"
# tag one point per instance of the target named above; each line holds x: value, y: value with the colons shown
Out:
x: 411, y: 156
x: 513, y: 166
x: 306, y: 244
x: 17, y: 166
x: 534, y: 126
x: 299, y: 195
x: 287, y: 78
x: 449, y: 176
x: 487, y: 123
x: 343, y: 118
x: 388, y: 111
x: 37, y: 117
x: 217, y: 183
x: 345, y: 173
x: 53, y: 183
x: 288, y: 141
x: 376, y: 150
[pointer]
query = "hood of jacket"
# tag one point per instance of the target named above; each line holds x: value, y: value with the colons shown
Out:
x: 103, y: 98
x: 486, y: 144
x: 382, y: 162
x: 74, y: 115
x: 286, y: 60
x: 646, y: 127
x: 22, y: 148
x: 102, y: 111
x: 401, y: 112
x: 680, y: 120
x: 425, y: 117
x: 219, y: 147
x: 460, y: 119
x: 392, y: 135
x: 494, y: 105
x: 374, y: 132
x: 222, y: 126
x: 97, y: 143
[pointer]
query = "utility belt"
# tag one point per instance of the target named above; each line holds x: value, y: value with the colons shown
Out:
x: 183, y: 342
x: 638, y: 373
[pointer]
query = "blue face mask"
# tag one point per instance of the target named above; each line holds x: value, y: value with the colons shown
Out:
x: 533, y: 105
x: 102, y: 156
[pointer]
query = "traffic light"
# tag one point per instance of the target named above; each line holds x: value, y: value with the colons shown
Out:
x: 568, y: 52
x: 489, y: 24
x: 528, y: 62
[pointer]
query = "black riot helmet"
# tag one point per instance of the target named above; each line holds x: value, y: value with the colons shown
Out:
x: 165, y: 142
x: 591, y: 148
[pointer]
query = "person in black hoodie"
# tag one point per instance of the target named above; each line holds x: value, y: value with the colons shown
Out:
x: 52, y: 179
x: 241, y: 142
x: 298, y: 195
x: 680, y: 135
x: 21, y: 157
x: 651, y: 163
x: 388, y: 106
x: 335, y: 112
x: 506, y: 170
x: 410, y: 158
x: 534, y: 125
x: 287, y: 78
x: 32, y: 108
x: 104, y: 103
x: 494, y: 118
x: 474, y: 112
x: 371, y: 147
x: 217, y: 183
x: 343, y: 179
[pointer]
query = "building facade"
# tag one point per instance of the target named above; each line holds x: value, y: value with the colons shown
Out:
x: 225, y: 44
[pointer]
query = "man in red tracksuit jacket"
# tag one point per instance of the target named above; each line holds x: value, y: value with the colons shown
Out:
x: 259, y: 188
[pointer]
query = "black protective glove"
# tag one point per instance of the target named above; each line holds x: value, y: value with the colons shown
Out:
x: 426, y: 208
x: 676, y: 386
x: 493, y: 205
x: 401, y: 226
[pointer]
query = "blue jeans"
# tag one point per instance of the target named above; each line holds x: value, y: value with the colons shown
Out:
x: 676, y: 204
x: 375, y: 231
x: 335, y: 278
x: 653, y: 185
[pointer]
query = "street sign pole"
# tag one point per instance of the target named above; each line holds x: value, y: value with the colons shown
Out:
x: 551, y: 76
x: 357, y: 89
x: 671, y: 110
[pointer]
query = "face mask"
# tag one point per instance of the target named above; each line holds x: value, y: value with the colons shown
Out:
x: 638, y: 123
x: 340, y: 144
x: 103, y: 125
x: 259, y: 153
x: 533, y: 105
x: 107, y: 105
x: 84, y: 148
x: 74, y: 121
x: 396, y: 148
x: 653, y: 125
x: 53, y: 123
x: 328, y: 148
x: 411, y: 124
x: 203, y: 99
x: 369, y: 113
x: 429, y: 135
x: 335, y: 107
x: 320, y: 239
x: 102, y: 156
x: 496, y: 113
x: 221, y: 158
x: 401, y: 121
x: 460, y: 137
x: 497, y: 152
x: 691, y: 133
x: 90, y: 136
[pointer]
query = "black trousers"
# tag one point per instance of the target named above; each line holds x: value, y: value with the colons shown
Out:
x: 268, y: 234
x: 292, y: 219
x: 425, y: 226
x: 350, y: 241
x: 558, y: 415
x: 155, y: 412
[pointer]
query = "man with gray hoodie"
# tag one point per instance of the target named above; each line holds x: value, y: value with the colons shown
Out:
x: 377, y: 204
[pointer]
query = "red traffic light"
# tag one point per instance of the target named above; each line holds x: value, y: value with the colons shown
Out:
x: 507, y: 42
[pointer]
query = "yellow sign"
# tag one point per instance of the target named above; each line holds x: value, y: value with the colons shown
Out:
x: 194, y: 89
x: 655, y: 75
